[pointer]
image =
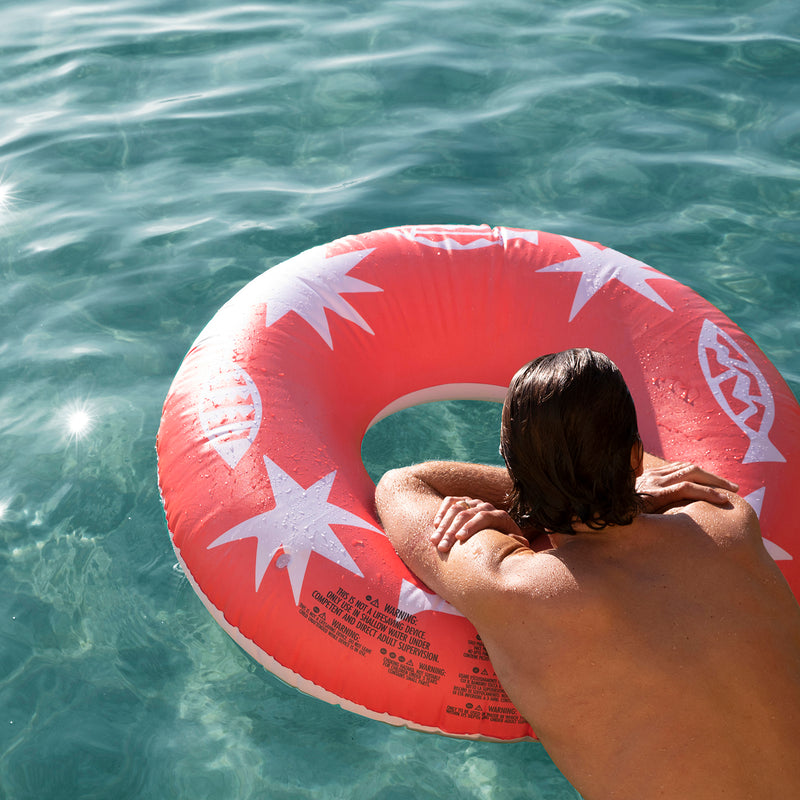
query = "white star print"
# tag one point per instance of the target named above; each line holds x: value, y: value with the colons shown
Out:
x: 598, y: 267
x: 310, y: 283
x: 532, y: 237
x: 421, y: 236
x: 414, y: 601
x: 299, y: 524
x: 756, y: 499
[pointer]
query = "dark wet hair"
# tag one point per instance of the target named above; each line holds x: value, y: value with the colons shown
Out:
x: 569, y: 424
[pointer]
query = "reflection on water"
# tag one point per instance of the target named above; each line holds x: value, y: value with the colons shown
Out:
x: 155, y: 157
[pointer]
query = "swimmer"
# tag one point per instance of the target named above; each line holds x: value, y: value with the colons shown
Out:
x: 629, y: 607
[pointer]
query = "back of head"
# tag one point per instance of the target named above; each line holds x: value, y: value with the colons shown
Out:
x: 569, y: 425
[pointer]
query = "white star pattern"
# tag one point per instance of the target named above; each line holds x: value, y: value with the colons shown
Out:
x: 414, y: 600
x: 310, y: 283
x: 299, y: 524
x: 598, y: 267
x: 532, y: 237
x: 421, y: 236
x: 756, y: 499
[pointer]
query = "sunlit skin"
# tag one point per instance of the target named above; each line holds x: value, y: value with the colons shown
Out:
x: 660, y: 659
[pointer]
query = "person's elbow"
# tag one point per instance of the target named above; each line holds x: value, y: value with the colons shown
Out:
x: 388, y: 478
x: 388, y: 490
x: 400, y: 504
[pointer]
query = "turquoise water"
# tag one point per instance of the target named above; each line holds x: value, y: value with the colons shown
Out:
x: 155, y: 156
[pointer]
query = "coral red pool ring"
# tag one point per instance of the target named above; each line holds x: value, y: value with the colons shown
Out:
x: 271, y: 510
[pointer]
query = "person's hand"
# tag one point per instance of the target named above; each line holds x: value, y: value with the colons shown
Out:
x: 680, y: 483
x: 458, y: 518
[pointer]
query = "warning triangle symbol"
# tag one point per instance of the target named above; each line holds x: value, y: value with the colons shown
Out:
x: 322, y: 616
x: 485, y: 671
x: 410, y: 663
x: 374, y: 602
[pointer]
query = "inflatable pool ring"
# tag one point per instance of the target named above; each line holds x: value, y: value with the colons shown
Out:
x: 268, y: 503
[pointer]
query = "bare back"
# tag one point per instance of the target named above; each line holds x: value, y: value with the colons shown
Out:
x: 661, y: 659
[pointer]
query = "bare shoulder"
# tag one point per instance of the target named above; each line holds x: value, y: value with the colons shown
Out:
x: 735, y: 522
x: 487, y: 576
x: 493, y: 576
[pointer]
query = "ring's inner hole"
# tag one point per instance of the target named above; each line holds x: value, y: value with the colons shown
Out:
x: 451, y: 430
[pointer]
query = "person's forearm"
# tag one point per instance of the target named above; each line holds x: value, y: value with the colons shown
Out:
x: 427, y: 507
x: 454, y: 478
x: 423, y: 487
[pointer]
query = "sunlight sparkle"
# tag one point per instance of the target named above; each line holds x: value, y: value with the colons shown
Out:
x: 78, y: 420
x: 79, y: 423
x: 6, y: 196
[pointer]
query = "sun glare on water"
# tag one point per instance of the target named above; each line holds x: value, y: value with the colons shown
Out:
x: 6, y: 196
x: 78, y: 421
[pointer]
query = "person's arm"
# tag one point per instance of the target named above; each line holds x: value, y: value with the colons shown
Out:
x: 711, y: 501
x: 408, y: 501
x: 461, y: 479
x: 425, y: 509
x: 666, y: 484
x: 474, y: 497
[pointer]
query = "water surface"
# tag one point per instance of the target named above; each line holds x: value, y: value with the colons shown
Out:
x: 156, y: 156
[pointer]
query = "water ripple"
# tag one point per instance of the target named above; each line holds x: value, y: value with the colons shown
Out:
x: 155, y: 156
